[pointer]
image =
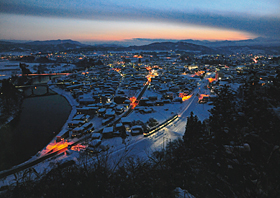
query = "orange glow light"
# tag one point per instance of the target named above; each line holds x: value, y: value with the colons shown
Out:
x: 133, y: 102
x: 211, y: 80
x: 201, y: 96
x: 78, y: 147
x: 184, y: 96
x: 117, y: 69
x: 137, y: 56
x: 57, y: 146
x: 149, y: 79
x: 148, y: 68
x: 199, y: 73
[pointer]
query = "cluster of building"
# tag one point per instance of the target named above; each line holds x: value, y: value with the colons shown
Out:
x: 106, y: 92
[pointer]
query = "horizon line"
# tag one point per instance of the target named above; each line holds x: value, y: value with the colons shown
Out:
x: 136, y: 39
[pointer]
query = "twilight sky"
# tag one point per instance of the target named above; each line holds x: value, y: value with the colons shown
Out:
x: 100, y: 20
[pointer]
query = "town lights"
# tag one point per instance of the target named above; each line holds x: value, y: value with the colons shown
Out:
x: 133, y: 102
x: 184, y: 96
x: 211, y: 80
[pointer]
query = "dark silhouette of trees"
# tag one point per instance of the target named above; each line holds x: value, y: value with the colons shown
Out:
x: 25, y: 71
x: 194, y: 130
x: 9, y: 94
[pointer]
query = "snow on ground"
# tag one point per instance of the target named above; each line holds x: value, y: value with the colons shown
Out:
x: 142, y: 147
x: 50, y: 67
x: 202, y: 111
x: 160, y: 113
x: 9, y: 68
x: 43, y: 167
x: 134, y: 146
x: 150, y: 92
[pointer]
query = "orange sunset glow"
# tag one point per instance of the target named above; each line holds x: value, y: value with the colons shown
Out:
x: 174, y: 32
x: 114, y: 30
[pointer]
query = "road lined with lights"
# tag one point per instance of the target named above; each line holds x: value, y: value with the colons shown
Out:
x: 32, y: 163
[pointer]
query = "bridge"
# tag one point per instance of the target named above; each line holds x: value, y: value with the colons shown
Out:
x: 35, y: 86
x: 48, y: 74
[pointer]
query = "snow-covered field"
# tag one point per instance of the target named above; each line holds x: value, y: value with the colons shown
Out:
x: 9, y: 68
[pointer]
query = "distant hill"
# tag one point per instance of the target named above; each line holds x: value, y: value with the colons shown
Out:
x: 176, y: 46
x: 258, y: 45
x: 6, y: 43
x: 55, y: 42
x: 249, y: 42
x: 42, y: 46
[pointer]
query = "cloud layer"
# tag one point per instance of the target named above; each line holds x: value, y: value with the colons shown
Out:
x: 257, y: 25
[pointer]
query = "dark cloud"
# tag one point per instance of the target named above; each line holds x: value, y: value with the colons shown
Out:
x: 261, y: 26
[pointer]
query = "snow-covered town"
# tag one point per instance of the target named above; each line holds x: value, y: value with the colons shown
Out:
x: 139, y: 99
x: 125, y: 104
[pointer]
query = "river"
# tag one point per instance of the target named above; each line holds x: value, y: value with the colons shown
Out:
x: 40, y: 120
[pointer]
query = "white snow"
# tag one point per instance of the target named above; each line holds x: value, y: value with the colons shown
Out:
x: 136, y: 146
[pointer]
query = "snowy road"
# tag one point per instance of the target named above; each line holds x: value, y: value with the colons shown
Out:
x: 143, y: 146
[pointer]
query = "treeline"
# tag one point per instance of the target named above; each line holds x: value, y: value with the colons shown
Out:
x: 235, y: 153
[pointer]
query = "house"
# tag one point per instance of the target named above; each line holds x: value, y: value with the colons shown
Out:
x: 86, y: 101
x: 108, y: 120
x: 81, y: 117
x: 169, y: 95
x: 109, y: 113
x: 143, y: 101
x: 95, y: 135
x: 88, y: 127
x: 101, y: 112
x: 136, y: 130
x: 119, y: 109
x: 108, y: 132
x: 178, y: 99
x: 153, y: 97
x: 87, y: 110
x: 94, y: 143
x: 126, y: 120
x: 75, y: 123
x: 159, y: 103
x: 77, y: 132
